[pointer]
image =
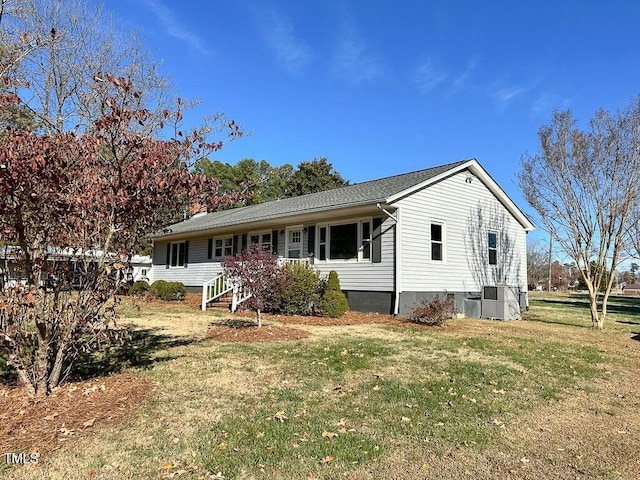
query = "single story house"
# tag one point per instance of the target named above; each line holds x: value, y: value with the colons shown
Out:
x: 448, y: 230
x: 631, y: 289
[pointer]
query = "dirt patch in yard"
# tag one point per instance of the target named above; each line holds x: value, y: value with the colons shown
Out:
x: 240, y: 330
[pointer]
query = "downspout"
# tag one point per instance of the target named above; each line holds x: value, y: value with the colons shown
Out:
x: 398, y: 259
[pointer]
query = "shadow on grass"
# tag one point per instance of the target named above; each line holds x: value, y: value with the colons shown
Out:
x: 137, y: 348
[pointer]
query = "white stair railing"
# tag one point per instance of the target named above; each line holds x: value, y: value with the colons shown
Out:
x: 239, y: 295
x: 214, y: 288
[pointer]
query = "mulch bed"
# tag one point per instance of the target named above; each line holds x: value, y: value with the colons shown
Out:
x: 349, y: 318
x: 248, y: 331
x: 72, y: 410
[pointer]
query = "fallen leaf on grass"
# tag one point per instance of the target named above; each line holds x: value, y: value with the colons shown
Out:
x: 328, y: 458
x: 280, y: 416
x: 89, y: 423
x: 329, y: 435
x: 405, y: 420
x: 51, y: 417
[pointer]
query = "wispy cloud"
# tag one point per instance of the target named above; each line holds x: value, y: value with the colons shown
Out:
x: 352, y: 59
x: 428, y: 76
x: 504, y: 96
x: 291, y: 52
x: 546, y: 102
x: 353, y: 62
x: 176, y: 29
x: 461, y: 82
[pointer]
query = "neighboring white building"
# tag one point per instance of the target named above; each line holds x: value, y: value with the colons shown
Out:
x: 448, y: 230
x: 141, y: 265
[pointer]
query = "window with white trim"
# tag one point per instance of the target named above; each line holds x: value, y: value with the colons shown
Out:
x: 437, y: 242
x: 223, y: 247
x: 345, y: 241
x: 262, y: 239
x: 492, y: 245
x: 177, y: 254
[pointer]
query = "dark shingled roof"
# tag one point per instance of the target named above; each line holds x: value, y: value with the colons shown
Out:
x: 363, y: 193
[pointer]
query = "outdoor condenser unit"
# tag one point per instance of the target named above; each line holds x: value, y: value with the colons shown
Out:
x: 500, y: 302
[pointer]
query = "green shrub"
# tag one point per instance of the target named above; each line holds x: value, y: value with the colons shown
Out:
x: 333, y: 303
x: 333, y: 282
x: 433, y: 312
x: 171, y: 291
x: 302, y: 290
x: 139, y: 287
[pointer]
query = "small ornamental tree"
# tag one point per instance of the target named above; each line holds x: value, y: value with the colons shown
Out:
x: 74, y: 207
x: 257, y: 272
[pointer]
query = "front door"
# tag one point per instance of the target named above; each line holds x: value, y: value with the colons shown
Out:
x: 294, y: 243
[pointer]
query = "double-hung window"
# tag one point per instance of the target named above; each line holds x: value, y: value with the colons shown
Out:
x: 262, y: 240
x: 437, y: 242
x: 177, y: 254
x: 492, y: 244
x: 223, y: 247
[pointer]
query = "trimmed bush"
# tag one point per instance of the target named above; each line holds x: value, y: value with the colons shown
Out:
x: 171, y: 291
x: 302, y: 291
x: 333, y: 282
x: 139, y: 287
x: 433, y: 312
x: 333, y: 304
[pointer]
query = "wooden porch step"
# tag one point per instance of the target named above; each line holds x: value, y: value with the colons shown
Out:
x: 222, y: 304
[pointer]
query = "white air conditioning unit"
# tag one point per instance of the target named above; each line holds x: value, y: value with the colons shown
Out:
x: 500, y: 302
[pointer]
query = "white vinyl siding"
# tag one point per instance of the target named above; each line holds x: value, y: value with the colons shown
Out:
x: 199, y: 270
x: 469, y: 211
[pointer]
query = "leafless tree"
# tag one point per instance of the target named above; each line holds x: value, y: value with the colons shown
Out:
x: 537, y: 263
x: 584, y: 186
x: 70, y: 46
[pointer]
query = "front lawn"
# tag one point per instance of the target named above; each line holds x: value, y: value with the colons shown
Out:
x: 546, y: 397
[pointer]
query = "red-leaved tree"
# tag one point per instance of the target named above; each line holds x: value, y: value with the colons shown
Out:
x: 257, y: 272
x: 73, y: 208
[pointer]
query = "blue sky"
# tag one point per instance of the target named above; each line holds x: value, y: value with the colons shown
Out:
x: 381, y: 88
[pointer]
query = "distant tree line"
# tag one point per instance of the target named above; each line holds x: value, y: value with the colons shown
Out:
x: 259, y: 182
